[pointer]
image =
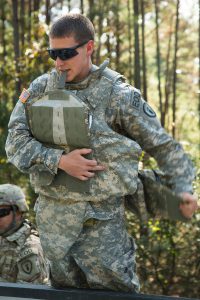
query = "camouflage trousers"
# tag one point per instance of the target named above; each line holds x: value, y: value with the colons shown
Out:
x: 92, y: 253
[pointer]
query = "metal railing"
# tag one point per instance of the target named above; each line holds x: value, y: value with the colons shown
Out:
x: 15, y: 291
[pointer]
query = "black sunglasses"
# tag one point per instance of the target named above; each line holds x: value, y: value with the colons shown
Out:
x: 5, y: 211
x: 64, y: 53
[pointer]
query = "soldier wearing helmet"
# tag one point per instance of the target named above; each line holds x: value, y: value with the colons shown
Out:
x: 21, y: 255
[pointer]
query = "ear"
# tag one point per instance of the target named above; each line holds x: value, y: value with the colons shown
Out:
x: 90, y: 47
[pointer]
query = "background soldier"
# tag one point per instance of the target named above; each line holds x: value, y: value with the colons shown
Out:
x: 21, y: 255
x: 81, y: 225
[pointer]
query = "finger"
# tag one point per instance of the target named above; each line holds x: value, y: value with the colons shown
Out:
x: 82, y: 178
x: 91, y: 162
x: 89, y: 174
x: 98, y: 168
x: 84, y: 151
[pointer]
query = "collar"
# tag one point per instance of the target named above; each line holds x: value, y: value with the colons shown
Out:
x: 20, y: 234
x: 94, y: 74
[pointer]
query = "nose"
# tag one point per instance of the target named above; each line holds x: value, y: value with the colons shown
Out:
x: 59, y: 62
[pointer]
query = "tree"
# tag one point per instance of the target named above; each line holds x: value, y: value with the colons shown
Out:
x: 16, y: 45
x: 144, y: 71
x: 136, y: 45
x: 174, y: 70
x: 158, y: 61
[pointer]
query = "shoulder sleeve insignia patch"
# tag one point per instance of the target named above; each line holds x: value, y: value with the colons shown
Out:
x: 24, y: 96
x: 27, y: 266
x: 148, y: 110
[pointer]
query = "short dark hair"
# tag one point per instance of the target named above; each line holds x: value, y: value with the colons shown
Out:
x: 76, y: 25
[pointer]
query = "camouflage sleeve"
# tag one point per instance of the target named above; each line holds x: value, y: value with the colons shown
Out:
x: 32, y: 266
x: 22, y: 149
x: 140, y: 123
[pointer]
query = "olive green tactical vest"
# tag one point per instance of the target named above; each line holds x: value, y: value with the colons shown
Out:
x: 60, y: 119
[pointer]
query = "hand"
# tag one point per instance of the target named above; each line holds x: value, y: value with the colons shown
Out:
x: 78, y: 166
x: 188, y: 205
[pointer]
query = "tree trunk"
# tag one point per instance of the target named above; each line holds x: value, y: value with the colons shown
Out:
x: 167, y: 76
x: 22, y: 23
x: 108, y: 44
x: 16, y: 45
x: 82, y: 7
x: 36, y: 5
x: 69, y: 5
x: 136, y: 45
x: 100, y: 28
x: 3, y: 54
x: 174, y: 71
x: 158, y: 62
x: 144, y: 72
x: 3, y: 18
x: 130, y: 42
x: 91, y: 10
x: 47, y: 12
x: 29, y: 20
x: 199, y: 72
x: 117, y: 24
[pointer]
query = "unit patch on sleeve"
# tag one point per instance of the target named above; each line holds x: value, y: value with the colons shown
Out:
x: 148, y: 110
x: 27, y: 266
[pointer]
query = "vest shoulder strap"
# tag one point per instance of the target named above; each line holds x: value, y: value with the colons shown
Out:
x: 112, y: 75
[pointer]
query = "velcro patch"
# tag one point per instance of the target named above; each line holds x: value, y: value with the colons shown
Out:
x: 28, y: 251
x: 24, y: 96
x: 136, y: 100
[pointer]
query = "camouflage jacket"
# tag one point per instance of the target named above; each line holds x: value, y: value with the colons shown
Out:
x: 126, y: 113
x: 21, y: 257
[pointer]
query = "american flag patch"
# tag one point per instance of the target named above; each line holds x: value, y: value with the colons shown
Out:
x: 24, y: 96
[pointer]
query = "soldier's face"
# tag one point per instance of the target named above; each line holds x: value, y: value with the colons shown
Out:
x: 5, y: 221
x: 78, y: 66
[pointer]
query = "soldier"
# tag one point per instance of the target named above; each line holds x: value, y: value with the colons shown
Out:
x: 21, y: 255
x: 79, y: 136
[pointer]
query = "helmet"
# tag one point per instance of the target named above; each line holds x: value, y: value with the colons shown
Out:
x: 11, y: 194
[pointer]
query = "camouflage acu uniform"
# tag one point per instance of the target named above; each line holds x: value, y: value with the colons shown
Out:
x: 21, y: 257
x: 84, y: 235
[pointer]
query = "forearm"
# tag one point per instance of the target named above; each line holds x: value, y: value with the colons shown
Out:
x: 176, y: 165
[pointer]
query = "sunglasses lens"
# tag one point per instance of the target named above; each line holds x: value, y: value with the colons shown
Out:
x: 63, y: 54
x: 67, y: 53
x: 52, y: 54
x: 4, y: 212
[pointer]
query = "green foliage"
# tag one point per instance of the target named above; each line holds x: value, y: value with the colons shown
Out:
x: 167, y: 256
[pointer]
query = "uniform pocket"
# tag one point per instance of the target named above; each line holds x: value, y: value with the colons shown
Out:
x: 41, y: 178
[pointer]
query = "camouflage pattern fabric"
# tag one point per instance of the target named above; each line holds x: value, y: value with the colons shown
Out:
x: 11, y: 194
x: 61, y: 215
x: 21, y: 257
x: 100, y: 256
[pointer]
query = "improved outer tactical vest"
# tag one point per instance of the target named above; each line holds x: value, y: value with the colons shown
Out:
x: 72, y: 110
